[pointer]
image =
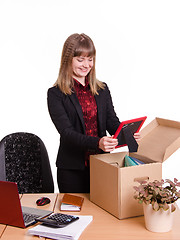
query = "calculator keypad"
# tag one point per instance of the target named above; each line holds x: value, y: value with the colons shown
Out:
x: 62, y: 218
x: 58, y: 220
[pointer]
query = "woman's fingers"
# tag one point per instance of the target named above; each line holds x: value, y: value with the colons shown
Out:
x: 137, y: 136
x: 108, y: 144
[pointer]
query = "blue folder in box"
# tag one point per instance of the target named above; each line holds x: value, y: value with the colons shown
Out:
x: 130, y: 161
x: 137, y: 160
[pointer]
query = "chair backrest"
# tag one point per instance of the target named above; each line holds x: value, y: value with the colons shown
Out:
x: 24, y: 160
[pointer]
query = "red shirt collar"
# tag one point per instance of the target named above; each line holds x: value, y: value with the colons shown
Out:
x: 79, y: 85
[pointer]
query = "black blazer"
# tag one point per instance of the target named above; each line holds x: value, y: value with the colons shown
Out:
x: 66, y: 114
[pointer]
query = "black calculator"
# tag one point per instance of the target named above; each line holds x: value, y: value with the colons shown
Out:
x: 58, y: 220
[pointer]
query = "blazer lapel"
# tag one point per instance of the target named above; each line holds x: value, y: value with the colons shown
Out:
x: 99, y: 110
x: 77, y: 105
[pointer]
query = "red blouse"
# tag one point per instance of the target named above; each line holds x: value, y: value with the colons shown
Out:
x: 89, y: 108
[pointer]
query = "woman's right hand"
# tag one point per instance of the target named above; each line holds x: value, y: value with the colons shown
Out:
x: 107, y: 143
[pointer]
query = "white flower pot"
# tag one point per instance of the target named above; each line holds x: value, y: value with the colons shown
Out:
x: 158, y: 221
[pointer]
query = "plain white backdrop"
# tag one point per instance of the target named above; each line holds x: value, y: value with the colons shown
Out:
x: 138, y: 56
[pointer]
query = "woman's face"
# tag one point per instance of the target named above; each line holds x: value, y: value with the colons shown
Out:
x: 81, y: 66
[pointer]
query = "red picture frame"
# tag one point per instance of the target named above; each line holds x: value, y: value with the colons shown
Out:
x: 134, y: 125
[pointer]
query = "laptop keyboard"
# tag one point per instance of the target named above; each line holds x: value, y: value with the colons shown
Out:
x: 29, y: 217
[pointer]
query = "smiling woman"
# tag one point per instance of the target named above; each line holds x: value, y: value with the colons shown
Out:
x: 78, y: 48
x: 81, y: 108
x: 81, y: 66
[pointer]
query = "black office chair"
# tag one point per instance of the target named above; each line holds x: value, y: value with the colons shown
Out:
x: 24, y: 159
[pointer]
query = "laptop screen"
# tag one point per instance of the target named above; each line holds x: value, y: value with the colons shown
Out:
x: 10, y: 207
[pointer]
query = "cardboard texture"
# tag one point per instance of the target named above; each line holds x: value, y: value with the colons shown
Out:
x: 111, y: 184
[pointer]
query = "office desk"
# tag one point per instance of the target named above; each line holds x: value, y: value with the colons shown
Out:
x: 103, y: 226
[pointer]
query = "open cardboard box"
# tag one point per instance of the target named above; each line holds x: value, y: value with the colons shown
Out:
x: 111, y: 184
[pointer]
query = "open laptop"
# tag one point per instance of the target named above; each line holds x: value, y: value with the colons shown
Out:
x: 11, y: 212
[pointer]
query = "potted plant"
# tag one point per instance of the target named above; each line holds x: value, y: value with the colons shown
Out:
x: 158, y: 199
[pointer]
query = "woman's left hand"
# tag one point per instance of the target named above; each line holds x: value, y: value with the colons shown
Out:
x: 137, y: 136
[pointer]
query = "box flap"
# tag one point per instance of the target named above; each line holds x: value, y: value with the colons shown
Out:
x: 160, y: 139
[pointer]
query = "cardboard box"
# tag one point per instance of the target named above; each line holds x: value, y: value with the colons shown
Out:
x: 111, y: 184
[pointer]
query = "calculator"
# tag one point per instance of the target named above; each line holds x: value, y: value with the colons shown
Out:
x: 58, y: 220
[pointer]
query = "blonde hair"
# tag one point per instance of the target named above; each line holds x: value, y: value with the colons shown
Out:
x: 77, y: 45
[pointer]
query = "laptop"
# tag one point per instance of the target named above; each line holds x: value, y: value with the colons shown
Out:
x: 11, y: 211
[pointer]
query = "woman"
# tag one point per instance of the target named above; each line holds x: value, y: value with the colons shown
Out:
x: 81, y: 108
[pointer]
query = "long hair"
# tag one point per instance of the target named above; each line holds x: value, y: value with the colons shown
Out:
x: 77, y: 45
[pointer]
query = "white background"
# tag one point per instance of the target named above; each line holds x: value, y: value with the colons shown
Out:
x: 138, y: 56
